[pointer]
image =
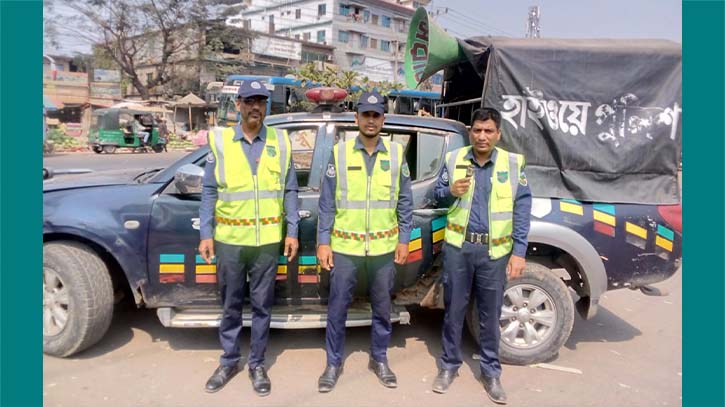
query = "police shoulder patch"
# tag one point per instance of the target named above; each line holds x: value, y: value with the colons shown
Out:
x: 330, y: 171
x: 210, y: 157
x: 444, y: 176
x: 522, y: 179
x: 406, y: 170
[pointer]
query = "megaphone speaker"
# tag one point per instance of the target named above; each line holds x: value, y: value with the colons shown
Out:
x: 428, y: 49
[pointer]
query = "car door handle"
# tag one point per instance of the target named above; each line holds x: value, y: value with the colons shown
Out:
x: 304, y: 214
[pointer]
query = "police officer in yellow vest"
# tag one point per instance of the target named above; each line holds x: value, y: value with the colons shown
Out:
x: 249, y: 190
x: 489, y: 203
x: 366, y: 213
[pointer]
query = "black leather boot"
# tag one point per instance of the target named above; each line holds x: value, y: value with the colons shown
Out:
x: 328, y: 379
x: 443, y: 380
x: 383, y: 372
x: 220, y: 377
x: 260, y: 381
x: 494, y: 389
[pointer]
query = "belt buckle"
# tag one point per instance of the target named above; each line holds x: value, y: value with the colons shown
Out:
x: 478, y: 238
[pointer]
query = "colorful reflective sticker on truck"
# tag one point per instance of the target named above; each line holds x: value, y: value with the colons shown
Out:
x: 205, y: 273
x: 636, y: 235
x: 663, y: 241
x: 308, y: 271
x: 605, y: 220
x: 171, y: 268
x: 438, y: 227
x: 281, y: 269
x: 415, y: 247
x: 571, y: 206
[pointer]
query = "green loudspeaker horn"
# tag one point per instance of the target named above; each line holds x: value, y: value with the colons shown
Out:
x: 428, y: 49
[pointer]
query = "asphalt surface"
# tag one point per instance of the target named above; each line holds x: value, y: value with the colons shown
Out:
x: 628, y: 354
x: 117, y: 161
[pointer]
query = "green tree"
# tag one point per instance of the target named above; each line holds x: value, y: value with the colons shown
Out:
x: 226, y: 49
x: 138, y: 34
x: 50, y: 29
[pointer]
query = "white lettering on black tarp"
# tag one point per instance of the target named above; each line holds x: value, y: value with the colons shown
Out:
x: 569, y: 116
x: 623, y: 118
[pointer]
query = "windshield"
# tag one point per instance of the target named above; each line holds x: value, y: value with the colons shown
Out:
x: 228, y: 114
x: 107, y: 120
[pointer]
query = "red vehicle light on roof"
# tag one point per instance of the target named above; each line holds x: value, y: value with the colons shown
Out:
x: 326, y: 95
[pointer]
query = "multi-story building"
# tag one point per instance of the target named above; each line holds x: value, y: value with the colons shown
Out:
x: 368, y: 35
x: 252, y: 53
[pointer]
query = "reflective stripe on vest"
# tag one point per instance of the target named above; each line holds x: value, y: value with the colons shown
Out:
x: 501, y: 200
x: 365, y: 216
x: 249, y: 207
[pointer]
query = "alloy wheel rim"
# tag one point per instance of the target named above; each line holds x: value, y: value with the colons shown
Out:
x: 56, y: 303
x: 528, y: 316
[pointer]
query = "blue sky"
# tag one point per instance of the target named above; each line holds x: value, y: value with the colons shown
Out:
x: 559, y: 19
x: 564, y: 18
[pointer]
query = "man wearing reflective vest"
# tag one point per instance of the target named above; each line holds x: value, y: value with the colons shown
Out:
x: 489, y: 213
x: 249, y: 189
x: 366, y: 214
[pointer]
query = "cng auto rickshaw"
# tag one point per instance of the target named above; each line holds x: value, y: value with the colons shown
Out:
x: 114, y: 128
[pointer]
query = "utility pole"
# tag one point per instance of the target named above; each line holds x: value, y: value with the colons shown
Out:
x: 533, y: 30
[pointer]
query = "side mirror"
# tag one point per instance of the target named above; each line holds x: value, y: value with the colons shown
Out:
x: 188, y: 179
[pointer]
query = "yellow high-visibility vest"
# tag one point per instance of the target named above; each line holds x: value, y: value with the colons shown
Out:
x: 504, y: 184
x: 249, y: 209
x: 366, y: 222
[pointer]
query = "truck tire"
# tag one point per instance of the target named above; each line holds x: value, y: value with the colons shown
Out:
x: 77, y: 298
x: 97, y: 149
x: 549, y: 325
x: 109, y: 149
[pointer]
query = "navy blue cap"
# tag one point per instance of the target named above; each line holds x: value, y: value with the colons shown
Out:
x: 371, y: 102
x: 252, y: 88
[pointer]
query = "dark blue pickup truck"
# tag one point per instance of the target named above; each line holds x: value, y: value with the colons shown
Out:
x: 137, y: 232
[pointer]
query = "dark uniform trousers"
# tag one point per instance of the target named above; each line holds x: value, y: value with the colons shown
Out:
x: 234, y: 263
x: 343, y: 278
x: 465, y: 269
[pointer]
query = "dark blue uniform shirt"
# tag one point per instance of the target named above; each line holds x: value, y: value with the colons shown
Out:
x: 478, y: 220
x: 253, y: 152
x: 329, y: 184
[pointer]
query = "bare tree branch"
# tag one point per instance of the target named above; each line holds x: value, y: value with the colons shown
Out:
x: 139, y: 34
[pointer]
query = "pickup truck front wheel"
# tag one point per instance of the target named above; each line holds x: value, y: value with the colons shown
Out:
x: 536, y: 318
x: 77, y: 298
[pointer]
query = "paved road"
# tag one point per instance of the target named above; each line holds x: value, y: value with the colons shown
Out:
x: 629, y: 354
x: 116, y: 161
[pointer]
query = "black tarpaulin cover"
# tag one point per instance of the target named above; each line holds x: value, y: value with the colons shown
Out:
x: 598, y: 120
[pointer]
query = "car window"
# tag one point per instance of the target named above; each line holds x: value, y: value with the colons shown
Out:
x: 303, y: 146
x: 228, y: 110
x: 430, y: 155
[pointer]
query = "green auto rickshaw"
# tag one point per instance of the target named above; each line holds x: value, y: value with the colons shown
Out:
x: 114, y: 128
